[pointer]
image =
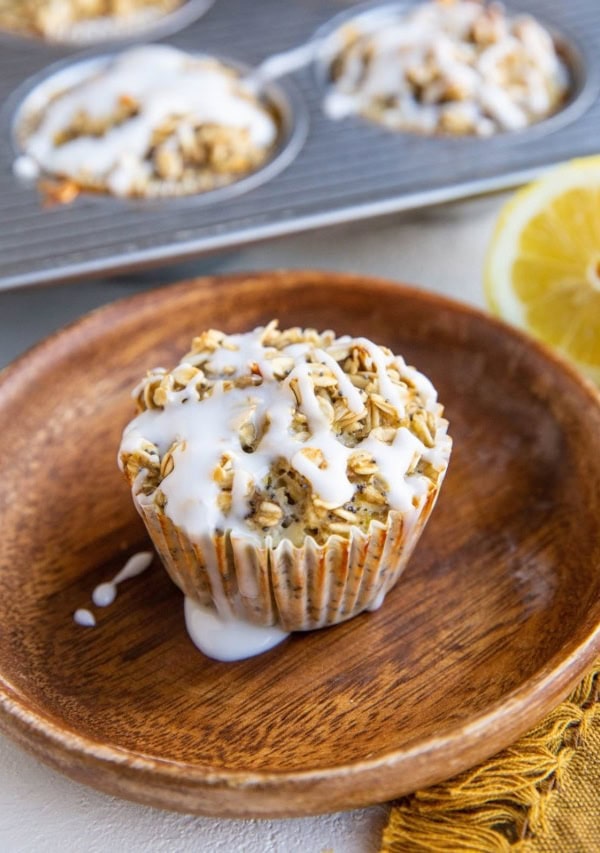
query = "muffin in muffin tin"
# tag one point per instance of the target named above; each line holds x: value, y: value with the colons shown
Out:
x: 454, y: 67
x: 87, y: 21
x: 150, y: 121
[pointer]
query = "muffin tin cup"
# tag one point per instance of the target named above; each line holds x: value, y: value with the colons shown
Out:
x: 326, y: 172
x: 281, y: 96
x: 296, y: 587
x: 120, y: 31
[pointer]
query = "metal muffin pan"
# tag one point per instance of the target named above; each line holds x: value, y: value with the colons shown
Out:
x: 345, y: 170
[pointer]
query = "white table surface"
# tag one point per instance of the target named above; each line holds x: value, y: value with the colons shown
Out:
x: 41, y: 811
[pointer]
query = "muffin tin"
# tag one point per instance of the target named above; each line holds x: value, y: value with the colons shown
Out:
x: 326, y: 172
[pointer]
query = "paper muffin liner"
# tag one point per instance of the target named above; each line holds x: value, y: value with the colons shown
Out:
x: 296, y: 587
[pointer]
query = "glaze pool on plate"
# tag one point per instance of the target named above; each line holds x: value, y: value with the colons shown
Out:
x: 496, y: 617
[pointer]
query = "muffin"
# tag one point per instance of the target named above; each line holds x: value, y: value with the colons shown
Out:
x: 454, y: 67
x: 66, y: 19
x: 151, y: 121
x: 285, y: 476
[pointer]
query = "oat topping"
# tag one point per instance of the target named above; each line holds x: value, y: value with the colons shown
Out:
x: 286, y: 434
x: 448, y: 66
x: 155, y: 121
x: 55, y: 19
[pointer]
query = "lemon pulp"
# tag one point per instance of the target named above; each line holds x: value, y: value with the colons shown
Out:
x: 543, y: 266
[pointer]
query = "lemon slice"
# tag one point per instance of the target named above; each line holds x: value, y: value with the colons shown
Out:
x: 543, y: 264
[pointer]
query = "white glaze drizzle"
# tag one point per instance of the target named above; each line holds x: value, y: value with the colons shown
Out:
x: 105, y: 593
x: 347, y: 389
x: 87, y: 30
x: 26, y: 168
x: 439, y: 33
x: 387, y: 388
x: 163, y: 82
x: 221, y: 637
x: 84, y: 617
x: 206, y: 429
x: 280, y: 64
x: 228, y: 639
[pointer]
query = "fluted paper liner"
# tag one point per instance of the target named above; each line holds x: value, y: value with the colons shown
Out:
x: 297, y: 587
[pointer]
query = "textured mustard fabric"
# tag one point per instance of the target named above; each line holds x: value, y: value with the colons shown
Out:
x: 541, y: 795
x: 573, y: 812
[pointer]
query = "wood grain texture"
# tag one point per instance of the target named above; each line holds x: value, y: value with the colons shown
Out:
x: 494, y: 620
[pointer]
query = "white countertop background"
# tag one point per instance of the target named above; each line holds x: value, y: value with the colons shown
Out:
x: 441, y: 249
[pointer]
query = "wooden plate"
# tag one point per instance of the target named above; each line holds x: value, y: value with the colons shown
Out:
x: 495, y: 619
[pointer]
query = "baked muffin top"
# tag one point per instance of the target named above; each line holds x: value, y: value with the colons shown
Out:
x: 151, y: 121
x: 285, y: 434
x: 65, y: 19
x: 447, y: 66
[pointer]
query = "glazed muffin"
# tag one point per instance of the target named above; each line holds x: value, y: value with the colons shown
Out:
x: 153, y: 121
x: 63, y: 19
x: 285, y: 476
x: 447, y: 67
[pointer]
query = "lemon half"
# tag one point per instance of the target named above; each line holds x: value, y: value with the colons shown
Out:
x: 542, y: 270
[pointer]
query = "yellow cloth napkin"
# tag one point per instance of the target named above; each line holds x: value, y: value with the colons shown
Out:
x: 541, y: 795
